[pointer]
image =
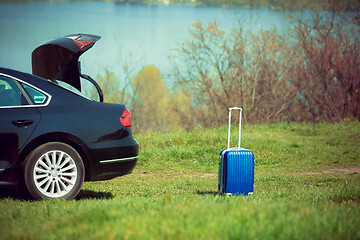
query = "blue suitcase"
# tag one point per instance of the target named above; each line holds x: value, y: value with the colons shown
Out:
x: 236, y: 167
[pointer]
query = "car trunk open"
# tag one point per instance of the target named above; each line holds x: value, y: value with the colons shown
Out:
x: 58, y: 59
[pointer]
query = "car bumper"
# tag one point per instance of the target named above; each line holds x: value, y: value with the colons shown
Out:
x: 114, y: 160
x: 109, y: 170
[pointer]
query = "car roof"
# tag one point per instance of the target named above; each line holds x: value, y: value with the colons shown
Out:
x: 59, y: 94
x: 34, y: 80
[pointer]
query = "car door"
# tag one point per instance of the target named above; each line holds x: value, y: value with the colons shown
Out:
x: 18, y: 119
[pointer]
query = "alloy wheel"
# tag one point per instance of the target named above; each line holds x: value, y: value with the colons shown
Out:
x: 55, y: 174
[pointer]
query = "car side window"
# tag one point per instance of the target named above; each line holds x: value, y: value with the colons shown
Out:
x: 36, y: 96
x: 9, y: 93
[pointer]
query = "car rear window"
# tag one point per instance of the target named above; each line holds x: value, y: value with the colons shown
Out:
x: 71, y: 88
x: 9, y: 93
x: 37, y: 97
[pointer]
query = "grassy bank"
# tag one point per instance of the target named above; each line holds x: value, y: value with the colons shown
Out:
x: 307, y: 180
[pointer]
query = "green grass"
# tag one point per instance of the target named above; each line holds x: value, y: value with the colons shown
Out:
x: 307, y: 186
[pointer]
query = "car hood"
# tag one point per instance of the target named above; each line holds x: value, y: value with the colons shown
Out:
x: 58, y: 59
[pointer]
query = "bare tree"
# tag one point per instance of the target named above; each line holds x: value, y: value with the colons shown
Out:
x: 221, y: 70
x: 329, y: 67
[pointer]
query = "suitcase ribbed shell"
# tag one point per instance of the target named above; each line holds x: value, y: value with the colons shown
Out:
x: 236, y: 172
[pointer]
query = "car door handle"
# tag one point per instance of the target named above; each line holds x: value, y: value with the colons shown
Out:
x: 22, y: 123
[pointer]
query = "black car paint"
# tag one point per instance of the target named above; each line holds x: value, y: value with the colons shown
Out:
x: 92, y: 128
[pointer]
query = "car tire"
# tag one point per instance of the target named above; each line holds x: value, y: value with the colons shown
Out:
x: 53, y: 171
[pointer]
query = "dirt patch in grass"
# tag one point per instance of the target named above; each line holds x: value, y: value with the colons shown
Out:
x: 185, y: 175
x: 349, y: 170
x: 201, y: 175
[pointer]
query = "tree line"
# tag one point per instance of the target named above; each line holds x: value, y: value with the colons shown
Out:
x: 312, y: 75
x: 281, y: 5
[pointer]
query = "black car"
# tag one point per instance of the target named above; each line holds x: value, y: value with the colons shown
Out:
x: 51, y: 138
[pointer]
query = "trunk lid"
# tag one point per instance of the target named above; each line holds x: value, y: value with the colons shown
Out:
x: 58, y: 59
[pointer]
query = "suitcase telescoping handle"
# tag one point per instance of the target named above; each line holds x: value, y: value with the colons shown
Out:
x: 239, y: 142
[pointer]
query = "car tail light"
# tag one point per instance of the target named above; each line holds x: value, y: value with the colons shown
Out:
x: 125, y: 118
x: 81, y: 43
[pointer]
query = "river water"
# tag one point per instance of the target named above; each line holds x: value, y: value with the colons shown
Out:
x: 135, y: 34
